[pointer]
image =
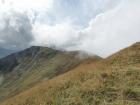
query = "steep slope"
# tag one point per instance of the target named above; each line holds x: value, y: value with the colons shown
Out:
x: 113, y: 81
x: 24, y: 69
x: 5, y: 52
x: 127, y: 56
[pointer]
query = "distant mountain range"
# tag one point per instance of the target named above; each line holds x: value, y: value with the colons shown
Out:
x: 44, y: 76
x: 4, y: 52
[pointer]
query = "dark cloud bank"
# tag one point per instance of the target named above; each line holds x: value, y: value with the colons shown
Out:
x: 16, y: 32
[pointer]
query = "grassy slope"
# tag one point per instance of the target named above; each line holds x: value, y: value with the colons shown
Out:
x: 114, y: 81
x: 36, y: 64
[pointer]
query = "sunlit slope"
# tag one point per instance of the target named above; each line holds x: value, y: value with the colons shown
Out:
x: 24, y: 69
x: 113, y: 81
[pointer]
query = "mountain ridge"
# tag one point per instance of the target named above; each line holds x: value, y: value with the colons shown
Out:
x: 112, y: 81
x: 22, y: 70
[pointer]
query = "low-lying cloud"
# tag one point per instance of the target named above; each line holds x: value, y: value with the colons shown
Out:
x: 107, y: 33
x: 114, y: 29
x: 107, y: 28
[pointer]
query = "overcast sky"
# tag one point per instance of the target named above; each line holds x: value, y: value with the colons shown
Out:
x: 99, y: 27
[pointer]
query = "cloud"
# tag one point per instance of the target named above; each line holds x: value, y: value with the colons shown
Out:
x: 107, y: 33
x: 80, y: 11
x: 15, y: 31
x: 25, y: 5
x: 114, y: 29
x: 99, y: 27
x: 60, y: 35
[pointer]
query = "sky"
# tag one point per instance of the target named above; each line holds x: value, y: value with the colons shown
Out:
x: 100, y: 27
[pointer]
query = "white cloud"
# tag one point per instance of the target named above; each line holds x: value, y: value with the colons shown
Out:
x: 110, y: 25
x: 60, y: 35
x: 80, y: 11
x: 26, y: 5
x: 107, y: 33
x: 115, y: 29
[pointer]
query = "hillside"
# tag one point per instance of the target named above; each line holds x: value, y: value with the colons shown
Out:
x: 22, y: 70
x: 113, y: 81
